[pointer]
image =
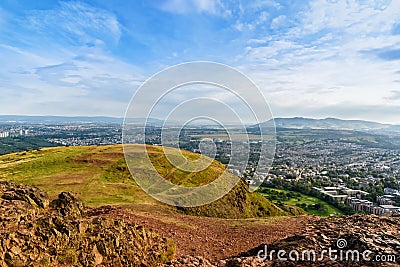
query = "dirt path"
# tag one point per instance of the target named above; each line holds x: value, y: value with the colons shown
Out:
x: 211, y: 238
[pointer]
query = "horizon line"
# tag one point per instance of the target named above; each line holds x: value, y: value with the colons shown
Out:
x: 122, y: 118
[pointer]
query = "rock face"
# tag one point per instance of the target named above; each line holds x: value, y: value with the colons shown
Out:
x: 378, y: 235
x: 35, y: 232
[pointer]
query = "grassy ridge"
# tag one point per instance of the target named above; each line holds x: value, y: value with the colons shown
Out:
x: 100, y: 176
x: 97, y: 174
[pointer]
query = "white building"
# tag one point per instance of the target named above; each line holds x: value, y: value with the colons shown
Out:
x: 4, y: 134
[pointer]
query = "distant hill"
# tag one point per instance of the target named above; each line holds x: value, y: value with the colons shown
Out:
x: 100, y: 176
x: 330, y: 124
x: 7, y: 119
x: 290, y: 123
x: 59, y: 120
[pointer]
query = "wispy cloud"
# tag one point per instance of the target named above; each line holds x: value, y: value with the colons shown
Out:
x: 278, y: 22
x: 77, y: 21
x: 194, y: 6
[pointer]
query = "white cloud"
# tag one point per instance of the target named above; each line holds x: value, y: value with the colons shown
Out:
x: 352, y: 17
x: 212, y: 7
x: 277, y: 22
x: 261, y: 4
x: 257, y: 41
x: 252, y: 17
x: 206, y: 5
x: 271, y: 50
x: 263, y: 17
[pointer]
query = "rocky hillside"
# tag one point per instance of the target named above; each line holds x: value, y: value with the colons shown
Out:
x: 35, y: 231
x: 379, y: 236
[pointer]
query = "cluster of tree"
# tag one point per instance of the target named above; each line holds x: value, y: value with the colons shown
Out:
x: 22, y: 143
x: 310, y: 207
x: 391, y: 182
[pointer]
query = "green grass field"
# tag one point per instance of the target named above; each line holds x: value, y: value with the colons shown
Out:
x: 327, y: 210
x: 98, y: 175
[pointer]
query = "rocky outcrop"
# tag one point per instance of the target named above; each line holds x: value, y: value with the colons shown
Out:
x: 35, y: 232
x: 378, y: 237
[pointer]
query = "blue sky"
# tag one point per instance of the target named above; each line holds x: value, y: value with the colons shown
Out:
x: 321, y: 58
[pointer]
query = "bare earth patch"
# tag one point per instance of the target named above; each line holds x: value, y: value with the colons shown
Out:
x: 211, y: 238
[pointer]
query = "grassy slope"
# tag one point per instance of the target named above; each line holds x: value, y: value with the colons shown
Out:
x: 100, y: 176
x: 185, y: 178
x: 92, y: 172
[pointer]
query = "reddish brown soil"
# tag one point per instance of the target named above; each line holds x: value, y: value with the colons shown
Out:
x: 212, y: 238
x: 92, y: 158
